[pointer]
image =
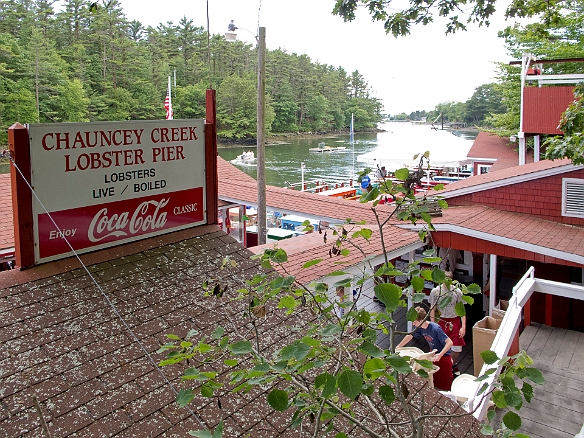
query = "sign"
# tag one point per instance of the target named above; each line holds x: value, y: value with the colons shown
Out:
x: 108, y: 183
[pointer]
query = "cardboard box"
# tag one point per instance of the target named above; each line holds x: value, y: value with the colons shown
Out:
x: 500, y: 308
x: 483, y: 335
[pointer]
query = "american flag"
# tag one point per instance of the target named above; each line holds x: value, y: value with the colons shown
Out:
x: 168, y: 102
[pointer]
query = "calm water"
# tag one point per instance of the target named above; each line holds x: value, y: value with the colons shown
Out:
x: 393, y: 148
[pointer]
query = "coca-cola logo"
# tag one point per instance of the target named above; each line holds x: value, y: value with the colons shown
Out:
x: 147, y: 216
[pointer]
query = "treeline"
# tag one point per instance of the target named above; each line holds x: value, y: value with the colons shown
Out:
x: 75, y: 65
x: 486, y: 101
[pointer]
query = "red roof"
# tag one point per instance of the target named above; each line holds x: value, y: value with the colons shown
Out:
x: 506, y: 176
x: 489, y: 147
x: 525, y: 229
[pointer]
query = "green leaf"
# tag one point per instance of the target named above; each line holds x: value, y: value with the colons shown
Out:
x: 345, y: 282
x: 399, y: 364
x: 231, y: 362
x: 513, y: 398
x: 402, y: 174
x: 218, y: 433
x: 297, y: 350
x: 418, y: 283
x: 366, y: 233
x: 278, y: 399
x: 527, y: 391
x: 328, y: 382
x: 489, y: 357
x: 330, y: 330
x: 310, y: 263
x: 350, y: 383
x: 389, y: 294
x: 241, y: 347
x: 499, y: 399
x: 468, y: 300
x: 184, y: 397
x: 341, y: 435
x: 459, y: 309
x: 278, y: 256
x: 175, y: 337
x: 412, y: 315
x: 207, y: 390
x: 535, y: 375
x: 512, y: 420
x: 438, y: 275
x: 387, y: 395
x: 371, y: 349
x: 201, y: 433
x: 474, y: 288
x: 374, y: 368
x: 487, y: 430
x: 218, y: 332
x: 287, y: 302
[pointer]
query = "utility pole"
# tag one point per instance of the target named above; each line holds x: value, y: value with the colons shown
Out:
x: 261, y: 143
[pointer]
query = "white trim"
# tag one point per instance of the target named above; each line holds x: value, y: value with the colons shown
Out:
x: 565, y: 182
x: 475, y: 159
x: 536, y: 174
x: 503, y: 241
x: 283, y: 210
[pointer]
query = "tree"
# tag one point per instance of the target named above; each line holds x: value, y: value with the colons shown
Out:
x: 458, y: 13
x: 330, y: 374
x: 486, y: 100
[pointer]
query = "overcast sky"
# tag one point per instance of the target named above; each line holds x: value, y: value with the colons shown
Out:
x: 409, y: 73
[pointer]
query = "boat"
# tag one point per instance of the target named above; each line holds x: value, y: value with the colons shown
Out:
x: 245, y: 157
x: 322, y: 148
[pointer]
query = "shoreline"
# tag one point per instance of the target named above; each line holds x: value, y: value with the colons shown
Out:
x: 282, y: 139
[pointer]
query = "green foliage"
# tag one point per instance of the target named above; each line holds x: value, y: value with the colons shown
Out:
x: 328, y: 367
x: 88, y: 62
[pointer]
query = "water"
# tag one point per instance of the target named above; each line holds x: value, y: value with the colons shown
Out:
x: 393, y: 149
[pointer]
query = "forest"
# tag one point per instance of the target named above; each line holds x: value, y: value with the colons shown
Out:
x: 79, y: 64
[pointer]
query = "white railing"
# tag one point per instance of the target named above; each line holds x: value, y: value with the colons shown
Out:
x: 510, y: 323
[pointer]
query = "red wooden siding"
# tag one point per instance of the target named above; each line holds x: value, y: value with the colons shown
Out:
x: 543, y: 108
x: 542, y: 198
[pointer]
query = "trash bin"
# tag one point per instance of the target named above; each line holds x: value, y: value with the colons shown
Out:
x: 483, y: 335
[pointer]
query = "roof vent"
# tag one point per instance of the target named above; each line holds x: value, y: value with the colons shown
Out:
x: 573, y: 197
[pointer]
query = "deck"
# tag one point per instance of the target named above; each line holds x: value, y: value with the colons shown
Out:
x: 557, y: 408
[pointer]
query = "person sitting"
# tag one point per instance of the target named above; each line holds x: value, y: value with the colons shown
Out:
x: 231, y: 27
x: 438, y: 342
x: 453, y: 325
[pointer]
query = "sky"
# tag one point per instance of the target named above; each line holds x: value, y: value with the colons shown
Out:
x: 410, y: 73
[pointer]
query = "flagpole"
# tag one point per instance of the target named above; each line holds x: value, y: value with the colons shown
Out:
x: 168, y: 102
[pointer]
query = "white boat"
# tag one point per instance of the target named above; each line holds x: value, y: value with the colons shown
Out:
x: 322, y: 148
x: 245, y: 157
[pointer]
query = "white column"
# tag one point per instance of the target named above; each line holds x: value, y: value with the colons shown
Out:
x: 493, y: 282
x: 536, y: 148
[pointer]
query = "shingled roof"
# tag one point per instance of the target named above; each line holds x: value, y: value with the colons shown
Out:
x: 65, y: 346
x: 490, y: 147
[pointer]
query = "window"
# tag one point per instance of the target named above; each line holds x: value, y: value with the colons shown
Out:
x: 484, y: 168
x: 573, y: 197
